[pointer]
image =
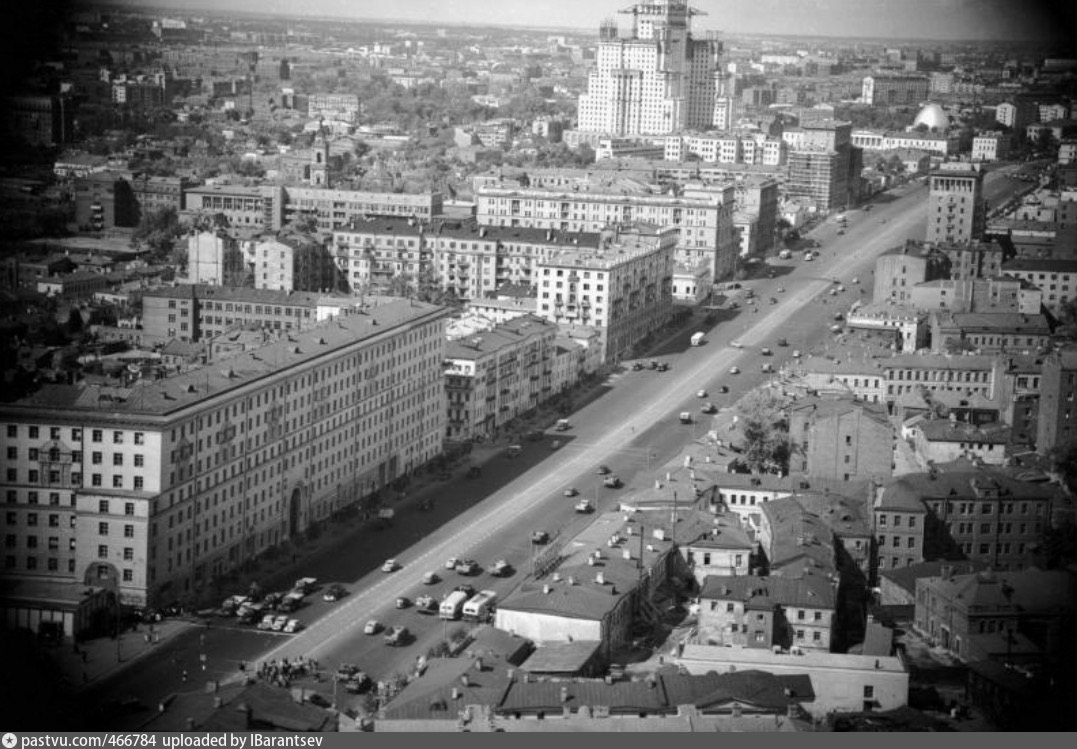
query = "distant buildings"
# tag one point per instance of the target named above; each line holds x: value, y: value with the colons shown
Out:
x: 215, y: 258
x: 1057, y: 421
x: 342, y: 107
x: 894, y: 90
x: 899, y: 269
x: 40, y: 120
x: 660, y: 79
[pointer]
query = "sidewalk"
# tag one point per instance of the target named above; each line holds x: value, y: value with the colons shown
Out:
x: 105, y: 656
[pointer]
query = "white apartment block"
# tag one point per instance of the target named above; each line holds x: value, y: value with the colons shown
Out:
x: 703, y: 218
x: 873, y: 140
x: 342, y: 107
x: 215, y: 258
x: 989, y: 146
x: 497, y: 375
x: 658, y: 80
x: 155, y: 489
x: 623, y: 289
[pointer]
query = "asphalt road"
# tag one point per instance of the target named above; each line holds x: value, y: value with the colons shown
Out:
x: 632, y: 427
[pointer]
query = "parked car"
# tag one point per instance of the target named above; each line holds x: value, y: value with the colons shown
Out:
x: 734, y: 370
x: 431, y: 578
x: 701, y: 393
x: 723, y: 388
x: 611, y: 482
x: 450, y: 563
x: 390, y: 565
x: 768, y: 367
x: 584, y: 505
x: 334, y: 592
x: 766, y: 351
x: 280, y: 623
x: 562, y: 425
x: 540, y: 537
x: 426, y: 604
x: 466, y: 588
x: 685, y: 417
x: 473, y: 472
x: 372, y: 627
x: 708, y: 408
x: 500, y: 568
x: 636, y: 366
x: 293, y: 625
x: 402, y: 602
x: 796, y: 353
x: 736, y: 344
x: 267, y: 622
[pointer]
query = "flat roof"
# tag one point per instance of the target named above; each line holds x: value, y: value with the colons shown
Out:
x: 762, y: 659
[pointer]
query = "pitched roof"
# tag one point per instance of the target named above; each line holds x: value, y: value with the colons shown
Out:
x: 809, y: 591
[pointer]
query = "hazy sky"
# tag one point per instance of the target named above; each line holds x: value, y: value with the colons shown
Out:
x: 925, y: 19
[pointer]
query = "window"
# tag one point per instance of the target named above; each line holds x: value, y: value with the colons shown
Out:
x: 102, y: 551
x: 128, y: 575
x: 800, y: 615
x: 818, y: 616
x: 128, y: 508
x: 117, y: 438
x: 140, y: 438
x: 140, y: 460
x: 129, y: 531
x: 800, y: 634
x: 128, y: 554
x: 102, y: 506
x: 729, y: 608
x: 102, y: 529
x: 138, y: 482
x: 96, y: 458
x: 97, y: 435
x: 117, y: 459
x: 117, y: 482
x: 817, y: 636
x: 869, y: 692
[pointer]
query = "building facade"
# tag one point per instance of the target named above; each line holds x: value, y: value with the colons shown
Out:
x: 182, y: 479
x: 955, y: 211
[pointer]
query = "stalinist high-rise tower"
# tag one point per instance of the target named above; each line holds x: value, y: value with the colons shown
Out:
x: 658, y: 80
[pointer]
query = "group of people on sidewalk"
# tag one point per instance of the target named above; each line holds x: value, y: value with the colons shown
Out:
x: 281, y: 673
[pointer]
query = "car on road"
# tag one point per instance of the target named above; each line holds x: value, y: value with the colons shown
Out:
x: 685, y: 417
x: 773, y: 300
x: 500, y: 568
x: 391, y: 565
x: 562, y: 425
x: 781, y: 289
x: 766, y: 351
x: 473, y: 472
x: 611, y: 482
x: 334, y: 592
x: 467, y: 567
x: 768, y: 367
x: 570, y: 492
x: 280, y: 623
x: 431, y: 578
x: 736, y: 344
x: 637, y: 366
x: 708, y: 408
x: 426, y: 605
x: 734, y: 370
x: 403, y: 602
x: 840, y: 232
x: 293, y: 625
x: 701, y: 393
x: 540, y: 537
x: 372, y: 627
x: 584, y: 505
x: 835, y: 328
x: 396, y: 636
x: 267, y: 622
x: 839, y: 316
x: 319, y: 701
x: 602, y: 470
x: 796, y: 353
x: 783, y: 342
x: 450, y: 563
x: 723, y: 388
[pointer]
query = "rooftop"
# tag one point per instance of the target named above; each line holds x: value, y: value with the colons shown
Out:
x: 759, y: 593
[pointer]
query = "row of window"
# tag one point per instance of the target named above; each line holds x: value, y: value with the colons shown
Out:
x: 97, y: 435
x: 54, y: 456
x: 55, y: 478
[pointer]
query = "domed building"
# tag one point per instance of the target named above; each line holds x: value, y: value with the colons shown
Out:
x: 934, y: 117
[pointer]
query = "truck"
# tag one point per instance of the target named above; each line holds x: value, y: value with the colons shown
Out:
x: 697, y: 338
x: 480, y: 606
x: 453, y: 605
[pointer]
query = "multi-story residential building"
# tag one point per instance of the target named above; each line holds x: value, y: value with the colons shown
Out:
x: 494, y: 377
x: 723, y: 549
x: 907, y: 325
x: 40, y: 120
x: 215, y: 258
x: 182, y: 479
x: 1003, y: 294
x: 796, y: 542
x: 971, y: 375
x: 940, y: 143
x: 1067, y: 151
x: 255, y: 208
x: 712, y: 148
x: 104, y: 200
x: 767, y: 612
x: 336, y: 209
x: 155, y: 193
x: 1055, y: 278
x: 841, y: 439
x: 956, y: 211
x: 744, y: 494
x: 980, y: 615
x: 703, y: 216
x: 894, y: 90
x: 947, y: 440
x: 757, y: 201
x: 659, y: 79
x: 990, y: 146
x: 983, y: 515
x: 988, y: 332
x: 1017, y: 114
x: 191, y: 313
x: 624, y: 289
x: 290, y: 262
x: 975, y: 259
x: 861, y: 380
x: 1057, y: 419
x: 341, y: 107
x: 899, y: 269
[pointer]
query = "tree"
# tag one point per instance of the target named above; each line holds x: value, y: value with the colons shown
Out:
x: 1064, y: 457
x: 159, y: 229
x: 766, y: 433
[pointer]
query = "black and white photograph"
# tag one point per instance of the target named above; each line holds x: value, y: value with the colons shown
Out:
x: 624, y: 366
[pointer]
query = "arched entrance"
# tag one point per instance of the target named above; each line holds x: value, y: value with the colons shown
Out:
x: 293, y: 513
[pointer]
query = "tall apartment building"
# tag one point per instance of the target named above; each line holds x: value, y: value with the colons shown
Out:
x: 757, y: 200
x: 1018, y: 113
x: 893, y: 90
x: 155, y: 193
x: 1057, y: 420
x: 40, y: 120
x: 104, y: 200
x: 1055, y: 278
x: 292, y: 263
x: 899, y: 269
x: 703, y: 217
x: 841, y: 439
x: 624, y: 289
x: 157, y: 489
x: 255, y: 208
x: 497, y: 375
x: 824, y: 166
x: 215, y: 258
x: 658, y: 80
x: 955, y: 212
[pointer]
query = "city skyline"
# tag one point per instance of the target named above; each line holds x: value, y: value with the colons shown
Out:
x: 936, y: 20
